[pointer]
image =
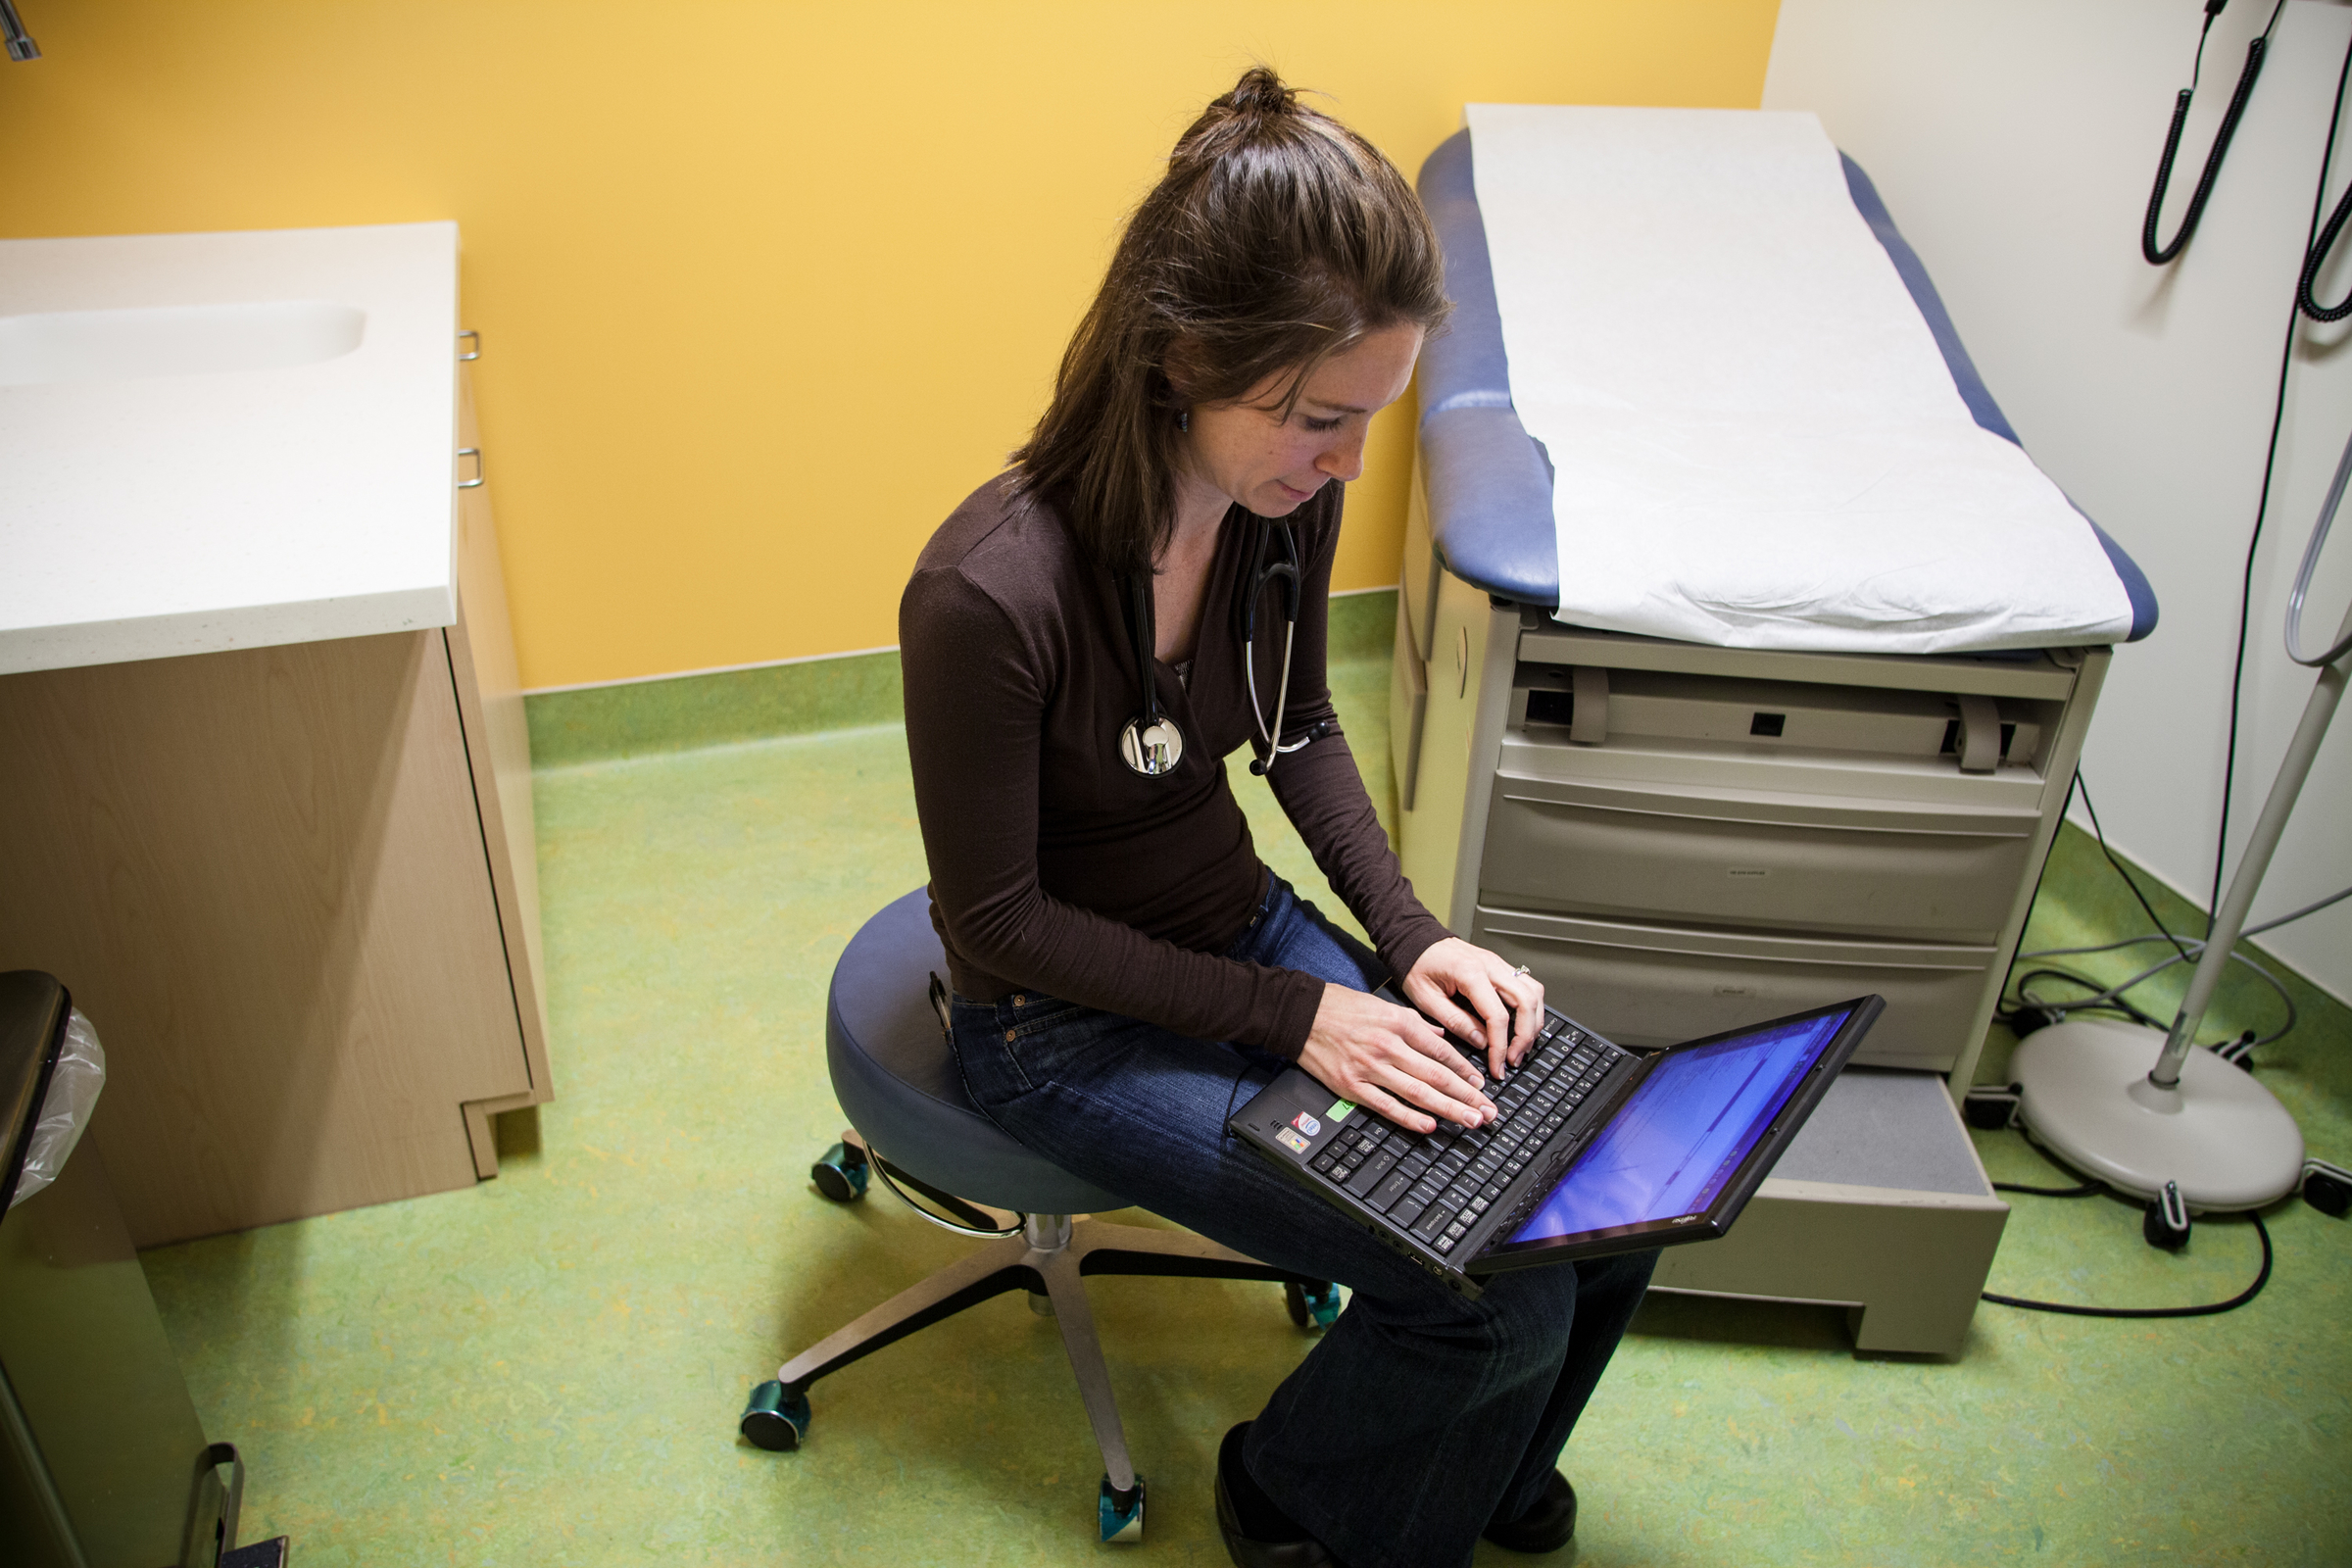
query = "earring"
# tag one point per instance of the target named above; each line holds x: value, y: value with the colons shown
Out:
x: 1184, y: 420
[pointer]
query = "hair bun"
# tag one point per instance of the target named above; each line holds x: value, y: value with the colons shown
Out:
x: 1261, y: 92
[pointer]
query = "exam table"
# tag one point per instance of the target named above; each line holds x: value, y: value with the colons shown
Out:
x: 1678, y: 838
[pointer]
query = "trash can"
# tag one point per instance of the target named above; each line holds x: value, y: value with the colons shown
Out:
x: 103, y: 1461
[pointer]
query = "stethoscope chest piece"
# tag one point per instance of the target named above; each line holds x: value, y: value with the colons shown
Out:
x: 1151, y: 745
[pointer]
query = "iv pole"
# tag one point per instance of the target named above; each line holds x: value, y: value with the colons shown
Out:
x: 2193, y: 1122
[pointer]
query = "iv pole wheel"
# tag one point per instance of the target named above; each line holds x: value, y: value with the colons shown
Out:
x: 2223, y: 1137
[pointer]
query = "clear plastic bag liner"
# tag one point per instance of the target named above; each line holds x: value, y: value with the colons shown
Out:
x: 74, y: 1086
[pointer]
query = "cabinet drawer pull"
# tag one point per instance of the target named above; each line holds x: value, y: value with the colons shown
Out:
x: 475, y: 352
x: 479, y: 473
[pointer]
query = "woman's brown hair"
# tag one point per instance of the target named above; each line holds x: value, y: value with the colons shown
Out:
x: 1277, y: 238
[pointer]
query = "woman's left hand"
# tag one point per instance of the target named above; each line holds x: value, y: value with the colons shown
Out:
x: 1492, y: 990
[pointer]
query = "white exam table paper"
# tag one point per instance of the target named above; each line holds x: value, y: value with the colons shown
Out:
x: 1754, y: 438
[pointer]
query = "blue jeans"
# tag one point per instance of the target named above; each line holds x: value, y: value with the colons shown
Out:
x: 1419, y: 1416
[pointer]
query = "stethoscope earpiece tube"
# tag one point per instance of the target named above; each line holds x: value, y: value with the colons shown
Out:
x: 1284, y: 576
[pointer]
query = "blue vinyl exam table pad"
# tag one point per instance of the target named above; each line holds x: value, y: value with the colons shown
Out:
x: 1820, y: 486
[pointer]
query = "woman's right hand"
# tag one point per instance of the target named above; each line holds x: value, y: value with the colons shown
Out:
x: 1392, y: 1062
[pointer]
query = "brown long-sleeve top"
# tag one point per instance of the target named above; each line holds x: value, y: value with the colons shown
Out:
x: 1057, y: 868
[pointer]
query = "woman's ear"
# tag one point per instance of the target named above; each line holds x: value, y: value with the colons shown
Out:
x: 1181, y: 365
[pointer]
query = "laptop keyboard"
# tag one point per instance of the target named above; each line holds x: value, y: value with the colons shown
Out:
x: 1438, y: 1184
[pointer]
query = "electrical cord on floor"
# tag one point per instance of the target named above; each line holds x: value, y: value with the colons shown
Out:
x: 2072, y: 1309
x: 2203, y: 1309
x: 2030, y: 1009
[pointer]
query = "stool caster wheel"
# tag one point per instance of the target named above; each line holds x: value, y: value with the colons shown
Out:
x: 1312, y: 1306
x: 842, y: 1174
x: 1120, y: 1515
x: 774, y: 1420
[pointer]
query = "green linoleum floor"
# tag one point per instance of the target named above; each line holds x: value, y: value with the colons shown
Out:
x: 547, y: 1368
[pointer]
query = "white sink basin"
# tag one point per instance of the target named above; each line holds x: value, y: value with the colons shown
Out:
x: 125, y: 345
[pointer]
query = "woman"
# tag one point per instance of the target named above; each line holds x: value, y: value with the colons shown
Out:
x: 1126, y: 970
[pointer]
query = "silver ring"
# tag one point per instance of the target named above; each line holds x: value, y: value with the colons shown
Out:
x: 1521, y: 969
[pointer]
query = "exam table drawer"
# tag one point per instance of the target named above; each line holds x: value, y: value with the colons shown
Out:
x: 1753, y: 858
x: 1655, y: 985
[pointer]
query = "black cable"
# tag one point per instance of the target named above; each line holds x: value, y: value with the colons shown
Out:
x: 2039, y: 877
x: 2087, y: 1190
x: 2159, y: 255
x: 2262, y: 507
x: 2205, y: 1309
x: 2092, y: 1189
x: 2100, y: 999
x: 2317, y: 258
x: 2148, y: 909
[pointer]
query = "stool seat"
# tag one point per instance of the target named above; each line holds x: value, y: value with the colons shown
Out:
x: 897, y: 1079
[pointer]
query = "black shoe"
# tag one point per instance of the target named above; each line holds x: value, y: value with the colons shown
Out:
x: 1547, y: 1527
x: 1279, y: 1542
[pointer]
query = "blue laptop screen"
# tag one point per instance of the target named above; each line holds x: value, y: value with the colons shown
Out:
x: 1670, y: 1149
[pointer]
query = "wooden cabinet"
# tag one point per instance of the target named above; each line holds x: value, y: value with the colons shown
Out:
x: 294, y: 889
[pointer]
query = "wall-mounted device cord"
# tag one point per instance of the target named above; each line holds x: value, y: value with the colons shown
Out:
x: 2159, y: 255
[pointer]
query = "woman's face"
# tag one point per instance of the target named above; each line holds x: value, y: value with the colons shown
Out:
x: 1249, y: 451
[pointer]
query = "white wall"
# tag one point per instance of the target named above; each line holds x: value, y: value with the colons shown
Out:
x: 2014, y: 141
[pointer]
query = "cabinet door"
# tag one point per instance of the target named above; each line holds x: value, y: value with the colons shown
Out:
x: 261, y: 874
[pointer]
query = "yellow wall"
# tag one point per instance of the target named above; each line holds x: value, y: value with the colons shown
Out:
x: 765, y: 287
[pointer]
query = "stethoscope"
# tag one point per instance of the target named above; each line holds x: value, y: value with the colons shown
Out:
x: 1150, y: 743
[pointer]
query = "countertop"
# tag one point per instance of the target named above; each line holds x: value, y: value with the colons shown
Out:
x: 152, y: 504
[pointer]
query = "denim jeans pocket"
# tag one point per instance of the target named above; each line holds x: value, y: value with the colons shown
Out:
x: 1013, y: 1046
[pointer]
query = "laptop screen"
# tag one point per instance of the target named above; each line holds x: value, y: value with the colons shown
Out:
x: 1685, y: 1130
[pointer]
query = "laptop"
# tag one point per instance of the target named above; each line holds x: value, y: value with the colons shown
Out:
x: 1598, y: 1149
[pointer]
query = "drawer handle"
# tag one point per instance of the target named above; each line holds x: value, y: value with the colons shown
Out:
x: 475, y: 352
x: 1786, y: 960
x: 1548, y: 802
x: 479, y: 472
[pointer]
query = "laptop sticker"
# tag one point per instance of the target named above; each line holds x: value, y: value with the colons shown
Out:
x: 1289, y: 1139
x: 1306, y: 1124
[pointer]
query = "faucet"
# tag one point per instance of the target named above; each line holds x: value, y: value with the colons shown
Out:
x: 20, y: 42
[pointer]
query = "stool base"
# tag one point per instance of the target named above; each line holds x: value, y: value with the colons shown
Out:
x: 1051, y: 1257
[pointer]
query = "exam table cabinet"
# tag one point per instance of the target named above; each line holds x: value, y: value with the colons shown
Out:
x: 1727, y: 833
x: 296, y: 886
x: 1679, y: 839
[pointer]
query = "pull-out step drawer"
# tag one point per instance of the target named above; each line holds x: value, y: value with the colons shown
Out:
x: 1879, y: 1204
x: 1754, y: 858
x: 1658, y: 985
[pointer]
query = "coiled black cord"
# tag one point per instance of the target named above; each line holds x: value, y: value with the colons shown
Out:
x: 2317, y: 256
x: 2159, y: 255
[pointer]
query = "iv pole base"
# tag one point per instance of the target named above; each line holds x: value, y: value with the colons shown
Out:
x: 2083, y: 1092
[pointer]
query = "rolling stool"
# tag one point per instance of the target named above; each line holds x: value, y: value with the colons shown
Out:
x: 887, y: 1050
